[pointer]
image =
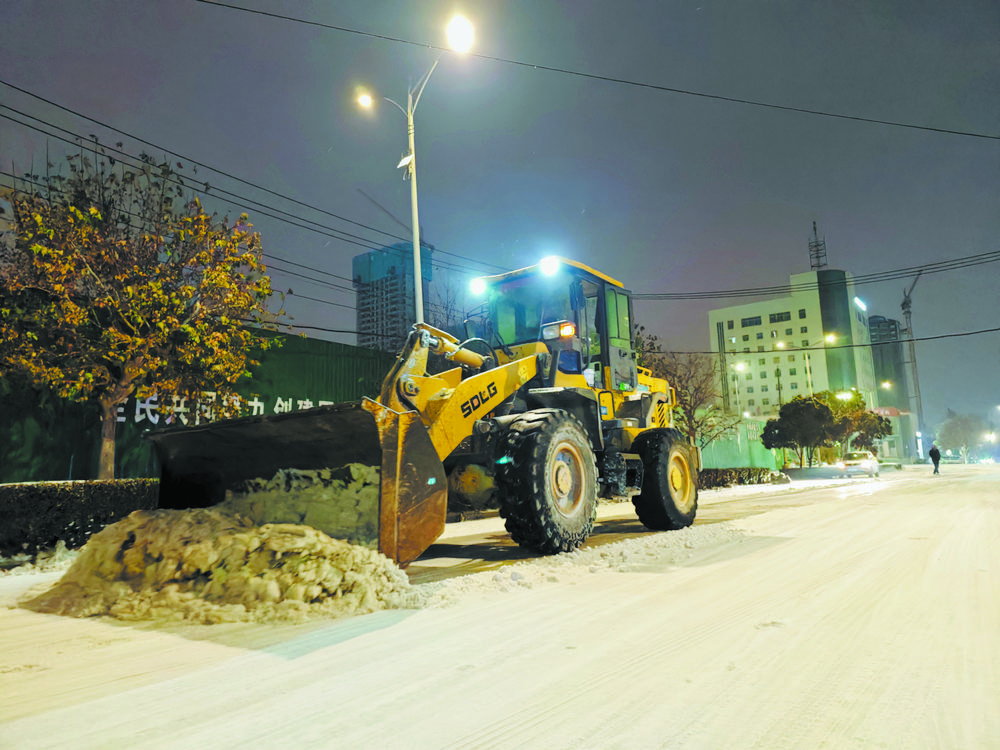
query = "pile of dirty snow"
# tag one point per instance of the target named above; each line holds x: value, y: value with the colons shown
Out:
x: 213, y: 565
x: 44, y: 561
x: 341, y: 502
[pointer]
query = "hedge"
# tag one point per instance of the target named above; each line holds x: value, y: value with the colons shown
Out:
x: 36, y: 515
x: 709, y: 479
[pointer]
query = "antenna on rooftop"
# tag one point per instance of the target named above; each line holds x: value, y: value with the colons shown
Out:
x: 817, y: 251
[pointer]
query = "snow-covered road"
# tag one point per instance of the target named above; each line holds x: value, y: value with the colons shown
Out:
x: 863, y: 614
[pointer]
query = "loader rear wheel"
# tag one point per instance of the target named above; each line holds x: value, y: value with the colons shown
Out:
x: 669, y: 496
x: 548, y: 482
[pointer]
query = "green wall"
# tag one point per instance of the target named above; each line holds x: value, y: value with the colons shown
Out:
x: 741, y: 449
x: 43, y: 438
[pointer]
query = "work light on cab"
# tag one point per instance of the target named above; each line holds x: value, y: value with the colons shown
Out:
x: 561, y: 330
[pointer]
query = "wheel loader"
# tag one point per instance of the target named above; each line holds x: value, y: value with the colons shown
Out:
x: 540, y: 411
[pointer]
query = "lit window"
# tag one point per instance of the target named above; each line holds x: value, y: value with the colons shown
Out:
x: 805, y: 343
x: 766, y: 401
x: 762, y: 361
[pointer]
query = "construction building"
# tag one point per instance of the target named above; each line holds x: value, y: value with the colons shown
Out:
x: 386, y: 308
x: 892, y: 374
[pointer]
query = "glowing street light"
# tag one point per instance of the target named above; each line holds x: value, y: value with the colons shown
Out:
x: 460, y: 34
x: 460, y: 37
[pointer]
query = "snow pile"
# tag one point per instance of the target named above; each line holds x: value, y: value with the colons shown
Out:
x: 211, y: 565
x: 342, y: 502
x: 45, y: 561
x: 667, y: 548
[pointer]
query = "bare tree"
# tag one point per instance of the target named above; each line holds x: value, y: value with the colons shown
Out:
x: 695, y: 378
x: 445, y: 308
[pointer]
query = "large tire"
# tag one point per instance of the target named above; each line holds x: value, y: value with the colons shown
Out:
x: 548, y: 482
x: 669, y: 496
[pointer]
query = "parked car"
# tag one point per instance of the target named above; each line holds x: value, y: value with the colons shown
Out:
x: 858, y: 462
x: 890, y: 463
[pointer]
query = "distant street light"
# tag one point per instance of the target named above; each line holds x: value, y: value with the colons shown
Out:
x: 460, y: 36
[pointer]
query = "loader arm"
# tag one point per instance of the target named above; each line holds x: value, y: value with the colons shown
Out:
x: 448, y: 405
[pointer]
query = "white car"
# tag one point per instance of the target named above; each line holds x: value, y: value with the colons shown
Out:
x: 858, y: 462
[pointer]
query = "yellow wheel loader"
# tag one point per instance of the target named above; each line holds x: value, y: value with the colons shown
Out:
x: 541, y: 410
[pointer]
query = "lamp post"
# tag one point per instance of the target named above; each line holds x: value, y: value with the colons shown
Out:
x: 739, y: 367
x: 460, y: 36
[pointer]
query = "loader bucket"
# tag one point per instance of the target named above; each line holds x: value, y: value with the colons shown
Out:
x: 200, y: 464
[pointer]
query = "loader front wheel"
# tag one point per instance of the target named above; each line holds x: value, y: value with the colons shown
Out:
x: 669, y: 496
x: 548, y: 482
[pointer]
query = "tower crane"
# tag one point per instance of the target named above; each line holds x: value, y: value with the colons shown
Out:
x: 907, y: 306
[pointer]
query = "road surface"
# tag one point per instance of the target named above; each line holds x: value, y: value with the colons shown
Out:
x: 865, y: 614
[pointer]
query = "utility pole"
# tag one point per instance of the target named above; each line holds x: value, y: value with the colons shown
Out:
x: 908, y: 331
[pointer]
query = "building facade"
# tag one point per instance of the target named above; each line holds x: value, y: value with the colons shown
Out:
x: 812, y: 340
x: 895, y: 396
x: 386, y: 305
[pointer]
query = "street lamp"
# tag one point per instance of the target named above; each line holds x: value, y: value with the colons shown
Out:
x: 460, y: 35
x: 739, y: 367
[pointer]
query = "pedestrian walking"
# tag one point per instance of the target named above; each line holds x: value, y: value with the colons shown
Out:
x: 935, y: 455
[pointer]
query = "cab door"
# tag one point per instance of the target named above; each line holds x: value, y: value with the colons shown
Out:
x: 622, y: 374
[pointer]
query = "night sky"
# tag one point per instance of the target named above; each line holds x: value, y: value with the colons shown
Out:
x: 567, y: 131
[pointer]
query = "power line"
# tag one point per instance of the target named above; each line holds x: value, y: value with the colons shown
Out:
x: 322, y: 301
x: 870, y: 278
x: 879, y: 276
x: 261, y: 208
x: 609, y: 79
x: 225, y: 174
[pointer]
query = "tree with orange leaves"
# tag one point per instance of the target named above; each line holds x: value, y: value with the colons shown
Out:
x: 113, y: 283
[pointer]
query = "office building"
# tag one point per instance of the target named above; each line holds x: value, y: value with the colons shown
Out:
x: 814, y: 339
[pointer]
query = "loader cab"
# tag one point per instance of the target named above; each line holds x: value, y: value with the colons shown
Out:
x: 593, y: 346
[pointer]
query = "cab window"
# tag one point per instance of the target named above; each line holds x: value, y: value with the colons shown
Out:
x: 619, y: 319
